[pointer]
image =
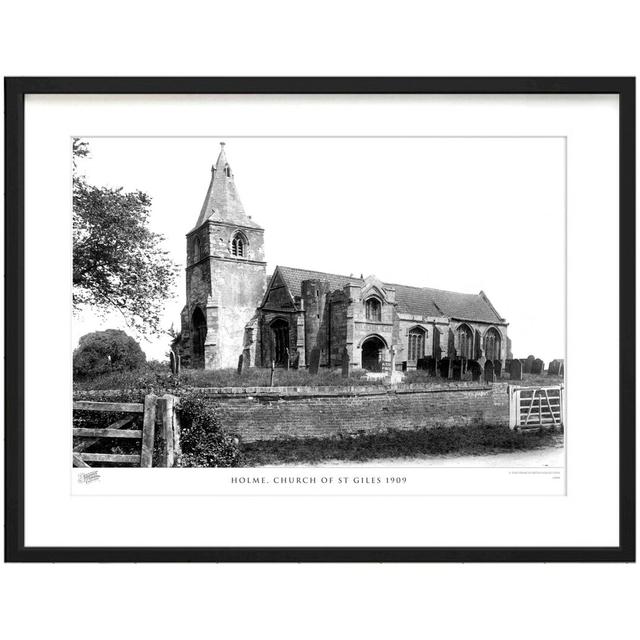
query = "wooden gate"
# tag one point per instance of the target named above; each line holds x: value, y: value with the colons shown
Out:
x: 536, y: 407
x: 162, y: 410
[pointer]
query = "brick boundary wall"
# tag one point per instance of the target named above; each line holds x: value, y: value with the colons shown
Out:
x: 317, y: 412
x: 266, y: 413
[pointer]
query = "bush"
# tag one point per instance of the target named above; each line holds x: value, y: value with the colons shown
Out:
x: 104, y: 352
x: 202, y: 439
x: 203, y: 442
x: 151, y: 378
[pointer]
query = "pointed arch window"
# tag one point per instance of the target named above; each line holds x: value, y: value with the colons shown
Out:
x: 373, y: 309
x: 492, y: 344
x: 196, y: 250
x: 239, y: 246
x: 416, y: 343
x: 465, y: 341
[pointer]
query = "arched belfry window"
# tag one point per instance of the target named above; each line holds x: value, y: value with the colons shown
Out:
x: 239, y: 246
x: 373, y: 309
x: 416, y: 343
x: 196, y: 250
x: 465, y: 341
x: 227, y: 171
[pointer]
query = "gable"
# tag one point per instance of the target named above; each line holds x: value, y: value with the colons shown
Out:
x: 278, y: 295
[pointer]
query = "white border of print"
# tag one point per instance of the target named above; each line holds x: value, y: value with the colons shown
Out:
x: 54, y: 517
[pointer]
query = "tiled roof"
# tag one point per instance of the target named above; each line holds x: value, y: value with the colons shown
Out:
x: 222, y: 202
x: 415, y: 300
x: 294, y: 277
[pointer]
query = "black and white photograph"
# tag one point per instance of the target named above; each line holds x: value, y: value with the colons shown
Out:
x: 320, y: 320
x: 364, y: 316
x: 372, y: 302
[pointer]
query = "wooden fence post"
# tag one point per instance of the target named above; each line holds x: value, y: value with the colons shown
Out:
x: 170, y: 429
x: 148, y: 431
x: 176, y: 431
x: 513, y: 406
x: 166, y: 417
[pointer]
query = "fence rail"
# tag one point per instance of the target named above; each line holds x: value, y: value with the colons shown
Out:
x: 536, y: 407
x: 155, y: 411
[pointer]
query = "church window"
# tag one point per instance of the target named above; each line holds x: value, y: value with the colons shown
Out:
x: 373, y: 309
x: 465, y: 342
x: 196, y: 250
x: 492, y: 344
x: 227, y: 171
x: 238, y: 246
x: 416, y: 343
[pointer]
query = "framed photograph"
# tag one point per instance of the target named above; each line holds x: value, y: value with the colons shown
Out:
x: 320, y: 319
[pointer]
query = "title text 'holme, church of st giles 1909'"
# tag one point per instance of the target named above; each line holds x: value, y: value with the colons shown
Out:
x: 296, y: 316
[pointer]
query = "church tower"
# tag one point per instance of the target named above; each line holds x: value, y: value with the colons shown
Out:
x: 226, y: 275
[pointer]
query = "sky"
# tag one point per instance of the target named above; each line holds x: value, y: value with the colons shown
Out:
x: 463, y: 214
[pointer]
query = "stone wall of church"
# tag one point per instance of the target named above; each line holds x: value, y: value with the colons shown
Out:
x: 339, y: 304
x: 226, y: 289
x: 236, y: 290
x: 317, y: 317
x: 316, y: 412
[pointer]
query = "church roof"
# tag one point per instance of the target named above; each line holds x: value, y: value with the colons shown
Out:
x: 414, y: 300
x: 222, y: 202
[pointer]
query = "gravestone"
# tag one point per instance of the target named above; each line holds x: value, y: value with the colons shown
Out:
x: 554, y: 367
x: 175, y: 362
x: 287, y: 356
x: 443, y: 367
x: 476, y: 370
x: 489, y: 374
x: 528, y: 363
x: 295, y: 360
x: 428, y: 364
x: 314, y: 361
x: 240, y: 360
x: 507, y: 364
x: 515, y: 370
x: 497, y: 368
x: 346, y: 364
x: 537, y: 367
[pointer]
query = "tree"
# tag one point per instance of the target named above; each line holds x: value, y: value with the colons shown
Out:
x: 105, y: 351
x: 118, y: 262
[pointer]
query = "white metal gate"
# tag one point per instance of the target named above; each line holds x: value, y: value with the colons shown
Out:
x: 535, y: 407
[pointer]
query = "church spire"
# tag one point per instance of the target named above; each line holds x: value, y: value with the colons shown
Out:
x: 222, y: 202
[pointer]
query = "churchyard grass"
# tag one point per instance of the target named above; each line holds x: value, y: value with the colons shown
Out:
x: 158, y: 376
x: 469, y: 440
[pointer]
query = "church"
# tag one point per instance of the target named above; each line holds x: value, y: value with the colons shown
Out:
x: 297, y: 318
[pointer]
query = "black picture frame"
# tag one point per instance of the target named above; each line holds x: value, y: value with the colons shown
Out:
x: 15, y: 91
